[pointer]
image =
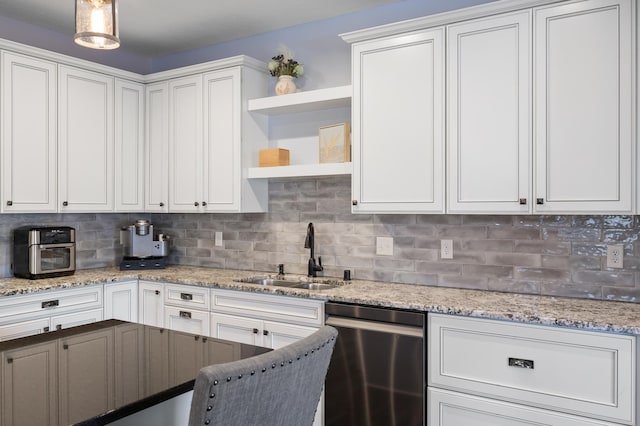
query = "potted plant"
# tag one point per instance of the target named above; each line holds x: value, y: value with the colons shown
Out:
x: 286, y: 69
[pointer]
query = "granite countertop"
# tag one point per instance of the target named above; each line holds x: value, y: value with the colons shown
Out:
x: 619, y: 317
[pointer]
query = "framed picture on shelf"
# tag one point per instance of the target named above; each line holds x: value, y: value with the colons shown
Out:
x: 335, y: 143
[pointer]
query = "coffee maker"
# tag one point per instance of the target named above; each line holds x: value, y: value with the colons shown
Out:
x: 141, y: 251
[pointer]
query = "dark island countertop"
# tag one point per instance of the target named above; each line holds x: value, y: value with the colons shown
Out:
x: 97, y: 373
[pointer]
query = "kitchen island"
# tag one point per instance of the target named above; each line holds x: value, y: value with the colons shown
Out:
x: 98, y: 373
x: 597, y: 315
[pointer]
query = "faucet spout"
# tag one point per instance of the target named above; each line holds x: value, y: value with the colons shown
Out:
x: 309, y: 242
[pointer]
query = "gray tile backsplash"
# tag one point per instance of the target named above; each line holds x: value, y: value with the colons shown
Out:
x: 550, y: 255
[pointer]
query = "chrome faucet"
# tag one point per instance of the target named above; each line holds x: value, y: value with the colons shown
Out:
x: 309, y: 243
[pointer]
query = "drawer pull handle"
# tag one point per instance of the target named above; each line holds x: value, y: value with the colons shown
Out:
x: 185, y: 314
x: 186, y: 296
x: 50, y: 303
x: 9, y: 360
x: 521, y: 363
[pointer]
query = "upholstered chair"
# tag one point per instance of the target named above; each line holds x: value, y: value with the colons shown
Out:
x: 277, y: 388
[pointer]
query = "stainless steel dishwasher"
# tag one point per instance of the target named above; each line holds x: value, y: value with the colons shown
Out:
x: 376, y: 376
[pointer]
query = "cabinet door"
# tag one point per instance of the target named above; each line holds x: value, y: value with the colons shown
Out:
x: 456, y: 409
x: 24, y: 328
x: 86, y: 361
x: 489, y: 124
x: 85, y: 142
x: 186, y: 357
x: 28, y: 134
x: 237, y: 329
x: 583, y: 57
x: 187, y: 320
x: 30, y: 386
x: 157, y: 148
x: 222, y: 137
x: 277, y: 335
x: 151, y: 303
x: 121, y: 301
x: 156, y: 341
x: 185, y: 144
x: 129, y: 146
x: 398, y: 124
x: 129, y: 363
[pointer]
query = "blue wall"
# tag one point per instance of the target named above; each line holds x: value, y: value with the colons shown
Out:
x: 325, y: 55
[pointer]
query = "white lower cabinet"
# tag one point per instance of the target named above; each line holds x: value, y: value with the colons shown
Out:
x: 265, y: 320
x: 121, y: 301
x: 187, y: 320
x: 457, y: 409
x: 22, y: 316
x: 542, y: 371
x: 151, y: 303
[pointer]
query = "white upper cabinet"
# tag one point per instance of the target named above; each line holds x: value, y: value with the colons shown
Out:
x: 232, y: 140
x: 129, y: 146
x: 489, y: 115
x: 222, y: 140
x: 157, y: 147
x: 85, y: 141
x: 185, y: 144
x: 398, y: 124
x: 583, y: 55
x: 28, y: 134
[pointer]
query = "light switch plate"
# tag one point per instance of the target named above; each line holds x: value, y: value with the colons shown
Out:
x: 384, y: 246
x: 218, y: 239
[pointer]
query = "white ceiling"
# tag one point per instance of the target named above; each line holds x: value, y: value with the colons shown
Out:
x: 160, y: 27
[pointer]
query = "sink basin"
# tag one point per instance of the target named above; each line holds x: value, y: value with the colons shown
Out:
x: 278, y: 282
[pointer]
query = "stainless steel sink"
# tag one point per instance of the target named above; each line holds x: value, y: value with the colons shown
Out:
x: 278, y: 282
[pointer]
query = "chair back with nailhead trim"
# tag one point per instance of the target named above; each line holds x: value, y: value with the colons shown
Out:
x: 277, y: 388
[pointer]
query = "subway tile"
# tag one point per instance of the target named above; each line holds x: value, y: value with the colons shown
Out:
x: 513, y: 233
x: 621, y: 294
x: 617, y: 221
x: 438, y: 268
x: 514, y: 286
x: 492, y: 220
x: 467, y: 232
x: 458, y: 281
x: 394, y: 264
x: 571, y: 290
x: 484, y: 245
x: 438, y: 219
x: 415, y: 278
x: 620, y: 235
x: 571, y: 234
x: 543, y: 247
x: 542, y: 274
x: 415, y: 254
x: 604, y: 278
x: 514, y: 259
x: 489, y: 271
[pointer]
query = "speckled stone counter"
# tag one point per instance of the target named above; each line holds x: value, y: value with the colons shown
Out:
x: 617, y: 317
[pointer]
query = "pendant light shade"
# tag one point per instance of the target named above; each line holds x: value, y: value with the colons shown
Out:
x: 97, y: 24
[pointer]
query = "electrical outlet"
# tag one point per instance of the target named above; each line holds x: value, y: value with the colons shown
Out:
x: 446, y: 249
x: 615, y: 255
x: 384, y: 246
x: 218, y: 239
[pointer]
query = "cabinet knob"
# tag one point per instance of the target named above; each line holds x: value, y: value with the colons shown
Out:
x: 539, y: 201
x: 196, y: 204
x: 65, y: 203
x: 9, y: 203
x: 59, y: 327
x: 65, y: 346
x: 354, y: 202
x: 523, y: 201
x: 265, y: 332
x: 9, y: 360
x: 161, y: 204
x: 255, y: 331
x: 46, y: 329
x: 157, y: 292
x: 204, y: 204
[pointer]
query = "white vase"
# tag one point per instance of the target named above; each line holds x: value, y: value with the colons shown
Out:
x: 285, y: 85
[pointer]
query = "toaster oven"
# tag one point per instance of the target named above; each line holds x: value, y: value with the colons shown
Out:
x: 44, y: 251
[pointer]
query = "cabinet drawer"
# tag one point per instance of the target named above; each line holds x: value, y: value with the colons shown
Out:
x: 188, y: 296
x: 189, y: 321
x: 268, y: 307
x: 446, y: 408
x: 51, y: 302
x: 573, y: 371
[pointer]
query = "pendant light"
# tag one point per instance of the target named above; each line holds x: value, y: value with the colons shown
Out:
x: 97, y: 24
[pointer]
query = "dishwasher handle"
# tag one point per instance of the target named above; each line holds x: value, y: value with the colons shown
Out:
x: 403, y: 330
